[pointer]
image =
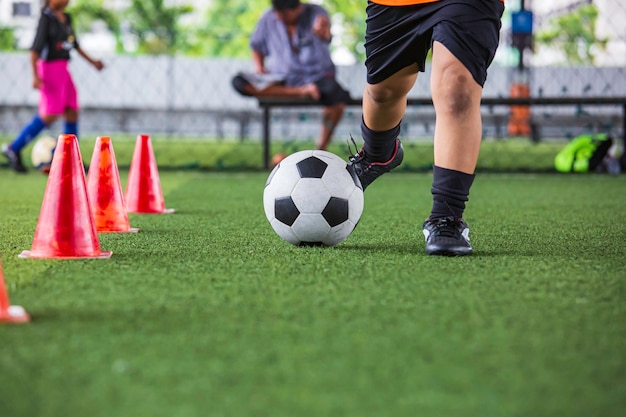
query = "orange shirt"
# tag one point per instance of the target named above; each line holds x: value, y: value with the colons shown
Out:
x: 401, y: 2
x: 404, y: 2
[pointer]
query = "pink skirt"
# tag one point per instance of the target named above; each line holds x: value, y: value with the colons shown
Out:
x: 57, y: 92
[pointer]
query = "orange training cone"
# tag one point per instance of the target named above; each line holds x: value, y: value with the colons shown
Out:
x: 105, y: 190
x: 66, y: 229
x: 9, y: 313
x: 143, y: 191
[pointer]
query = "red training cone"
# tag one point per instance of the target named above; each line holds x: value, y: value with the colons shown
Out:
x: 66, y: 229
x: 143, y: 191
x: 105, y: 190
x: 9, y: 313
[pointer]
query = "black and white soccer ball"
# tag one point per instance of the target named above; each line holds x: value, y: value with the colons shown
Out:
x: 311, y: 198
x: 42, y: 153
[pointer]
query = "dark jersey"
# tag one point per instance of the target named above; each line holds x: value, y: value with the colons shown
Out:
x: 54, y: 40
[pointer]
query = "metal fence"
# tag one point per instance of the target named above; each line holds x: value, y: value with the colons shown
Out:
x: 181, y: 96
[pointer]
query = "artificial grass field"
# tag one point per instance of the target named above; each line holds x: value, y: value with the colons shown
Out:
x: 209, y: 154
x: 206, y: 312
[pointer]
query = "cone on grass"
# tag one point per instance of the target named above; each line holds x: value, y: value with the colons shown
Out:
x: 143, y: 190
x: 104, y: 190
x: 9, y: 313
x: 66, y: 229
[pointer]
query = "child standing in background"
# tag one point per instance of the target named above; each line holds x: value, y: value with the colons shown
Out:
x: 49, y: 57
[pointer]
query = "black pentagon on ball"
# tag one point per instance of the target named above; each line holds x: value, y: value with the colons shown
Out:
x: 311, y: 167
x: 285, y: 210
x: 336, y: 211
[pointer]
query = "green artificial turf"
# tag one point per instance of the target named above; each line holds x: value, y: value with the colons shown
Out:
x: 206, y: 312
x: 206, y: 154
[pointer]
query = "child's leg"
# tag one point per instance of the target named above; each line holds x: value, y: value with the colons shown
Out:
x: 28, y: 133
x: 70, y: 125
x: 458, y: 132
x: 330, y: 118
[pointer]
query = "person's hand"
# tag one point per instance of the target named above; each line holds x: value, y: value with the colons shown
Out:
x: 310, y: 91
x: 321, y: 27
x: 98, y: 65
x: 37, y: 82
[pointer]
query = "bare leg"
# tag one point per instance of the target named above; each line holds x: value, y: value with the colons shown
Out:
x: 71, y: 115
x: 276, y: 90
x: 48, y: 119
x: 458, y: 131
x: 384, y: 103
x: 456, y: 97
x: 330, y: 118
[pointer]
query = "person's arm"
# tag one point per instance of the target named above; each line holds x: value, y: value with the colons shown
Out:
x: 39, y: 43
x: 34, y: 57
x: 95, y: 62
x: 259, y: 62
x: 321, y: 27
x: 258, y: 45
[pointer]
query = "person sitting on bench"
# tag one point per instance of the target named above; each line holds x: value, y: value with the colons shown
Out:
x: 291, y: 55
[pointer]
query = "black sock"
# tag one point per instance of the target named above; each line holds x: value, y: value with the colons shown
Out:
x: 450, y: 192
x: 379, y: 145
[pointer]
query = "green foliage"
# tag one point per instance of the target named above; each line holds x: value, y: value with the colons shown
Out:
x: 85, y: 12
x: 229, y: 24
x: 227, y: 28
x: 223, y: 32
x: 352, y: 20
x: 575, y: 34
x: 156, y: 26
x: 7, y: 38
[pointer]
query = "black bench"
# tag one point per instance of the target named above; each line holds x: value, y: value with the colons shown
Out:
x: 268, y: 103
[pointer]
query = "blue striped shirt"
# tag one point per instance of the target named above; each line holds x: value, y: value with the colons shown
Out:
x: 302, y: 61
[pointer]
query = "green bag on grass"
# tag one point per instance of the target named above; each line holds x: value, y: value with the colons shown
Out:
x: 584, y: 153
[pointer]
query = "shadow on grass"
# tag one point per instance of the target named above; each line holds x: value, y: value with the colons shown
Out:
x: 384, y: 247
x: 417, y: 248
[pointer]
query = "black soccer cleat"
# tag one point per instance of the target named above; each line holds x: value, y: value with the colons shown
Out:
x: 368, y: 170
x: 448, y: 236
x: 15, y: 159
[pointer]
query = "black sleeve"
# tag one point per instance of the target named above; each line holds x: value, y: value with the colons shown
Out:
x: 41, y: 38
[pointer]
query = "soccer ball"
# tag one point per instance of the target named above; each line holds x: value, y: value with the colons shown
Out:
x: 41, y: 155
x: 311, y: 198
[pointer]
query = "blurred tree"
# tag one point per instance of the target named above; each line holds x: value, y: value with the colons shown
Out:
x: 157, y: 27
x: 575, y: 34
x: 8, y: 40
x: 352, y: 21
x: 227, y: 28
x: 85, y: 12
x: 229, y: 23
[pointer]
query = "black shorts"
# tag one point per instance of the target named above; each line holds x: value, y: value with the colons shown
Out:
x: 399, y: 36
x: 331, y: 92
